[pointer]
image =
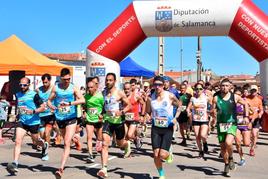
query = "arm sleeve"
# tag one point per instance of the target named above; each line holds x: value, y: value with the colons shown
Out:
x: 37, y: 100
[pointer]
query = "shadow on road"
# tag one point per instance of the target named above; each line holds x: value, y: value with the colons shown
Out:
x: 206, y: 170
x: 35, y: 168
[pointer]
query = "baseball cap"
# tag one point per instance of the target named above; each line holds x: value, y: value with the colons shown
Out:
x: 166, y: 78
x: 146, y: 84
x: 254, y: 87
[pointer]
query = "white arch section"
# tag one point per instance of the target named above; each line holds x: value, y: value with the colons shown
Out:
x: 241, y: 20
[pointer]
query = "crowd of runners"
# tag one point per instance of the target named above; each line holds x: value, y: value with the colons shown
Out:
x: 121, y: 118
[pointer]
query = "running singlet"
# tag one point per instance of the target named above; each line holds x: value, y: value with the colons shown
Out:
x: 65, y: 96
x: 199, y: 111
x: 162, y: 111
x: 94, y: 105
x: 241, y: 123
x: 226, y: 110
x: 133, y: 113
x: 185, y: 99
x: 26, y: 102
x: 111, y: 105
x: 44, y: 95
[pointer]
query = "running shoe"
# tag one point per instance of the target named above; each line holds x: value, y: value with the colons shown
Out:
x: 138, y: 143
x: 205, y: 147
x: 82, y: 132
x: 59, y: 173
x: 183, y: 143
x: 103, y: 173
x: 98, y: 146
x: 226, y: 171
x: 58, y: 140
x: 232, y: 164
x: 252, y: 152
x: 127, y: 150
x: 170, y: 157
x: 45, y: 152
x: 162, y: 177
x: 242, y: 162
x: 12, y: 168
x: 90, y: 158
x: 201, y: 154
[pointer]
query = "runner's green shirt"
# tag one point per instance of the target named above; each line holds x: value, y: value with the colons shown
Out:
x: 226, y: 110
x: 94, y: 105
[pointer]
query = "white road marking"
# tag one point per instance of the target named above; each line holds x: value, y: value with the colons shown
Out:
x: 97, y: 164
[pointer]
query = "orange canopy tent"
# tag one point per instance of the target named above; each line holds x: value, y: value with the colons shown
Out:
x: 17, y: 55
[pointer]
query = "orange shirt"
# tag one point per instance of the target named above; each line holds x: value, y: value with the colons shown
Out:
x: 255, y: 106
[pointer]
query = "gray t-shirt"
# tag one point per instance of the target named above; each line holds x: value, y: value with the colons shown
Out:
x: 3, y: 105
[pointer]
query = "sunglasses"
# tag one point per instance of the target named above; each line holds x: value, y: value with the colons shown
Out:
x: 66, y: 79
x: 23, y: 85
x: 158, y: 84
x: 199, y: 89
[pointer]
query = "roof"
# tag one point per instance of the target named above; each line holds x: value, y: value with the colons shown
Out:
x: 66, y: 56
x: 17, y: 55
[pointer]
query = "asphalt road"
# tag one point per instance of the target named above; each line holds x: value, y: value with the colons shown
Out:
x: 139, y: 166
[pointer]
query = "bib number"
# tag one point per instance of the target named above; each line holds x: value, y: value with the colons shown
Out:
x: 22, y: 110
x: 183, y: 108
x: 92, y: 111
x: 240, y: 119
x: 224, y: 127
x: 161, y: 122
x: 64, y: 109
x: 129, y: 116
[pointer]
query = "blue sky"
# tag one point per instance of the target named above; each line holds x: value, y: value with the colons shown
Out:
x: 62, y: 26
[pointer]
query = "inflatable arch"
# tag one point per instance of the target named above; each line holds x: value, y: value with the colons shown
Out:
x: 241, y: 20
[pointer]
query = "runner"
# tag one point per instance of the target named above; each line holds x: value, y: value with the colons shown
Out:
x: 29, y: 105
x: 113, y: 99
x: 66, y: 96
x: 183, y: 118
x: 243, y: 131
x: 255, y: 114
x: 47, y: 117
x: 167, y: 87
x: 162, y: 124
x: 132, y: 117
x: 225, y: 104
x: 197, y: 109
x: 3, y: 116
x: 93, y: 115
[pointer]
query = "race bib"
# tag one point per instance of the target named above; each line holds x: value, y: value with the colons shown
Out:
x: 64, y: 109
x: 240, y: 119
x: 224, y: 127
x: 92, y: 111
x: 183, y: 108
x: 161, y: 122
x: 111, y: 113
x: 129, y: 116
x: 199, y: 115
x: 22, y: 109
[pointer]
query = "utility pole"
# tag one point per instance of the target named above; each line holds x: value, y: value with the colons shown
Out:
x: 181, y: 44
x: 161, y: 56
x: 198, y: 59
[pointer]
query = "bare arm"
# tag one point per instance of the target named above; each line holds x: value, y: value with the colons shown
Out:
x: 189, y: 107
x: 214, y: 108
x: 142, y: 102
x: 51, y: 98
x: 126, y: 101
x: 79, y: 98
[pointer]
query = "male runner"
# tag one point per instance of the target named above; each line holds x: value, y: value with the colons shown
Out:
x: 113, y: 99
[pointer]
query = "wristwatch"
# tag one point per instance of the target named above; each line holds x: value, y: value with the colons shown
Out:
x: 70, y: 103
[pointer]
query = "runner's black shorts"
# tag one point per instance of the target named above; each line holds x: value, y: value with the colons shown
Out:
x: 183, y: 118
x: 47, y: 120
x: 161, y: 137
x: 132, y: 123
x: 199, y: 123
x: 34, y: 129
x: 97, y: 125
x: 62, y: 124
x: 256, y: 124
x: 109, y: 129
